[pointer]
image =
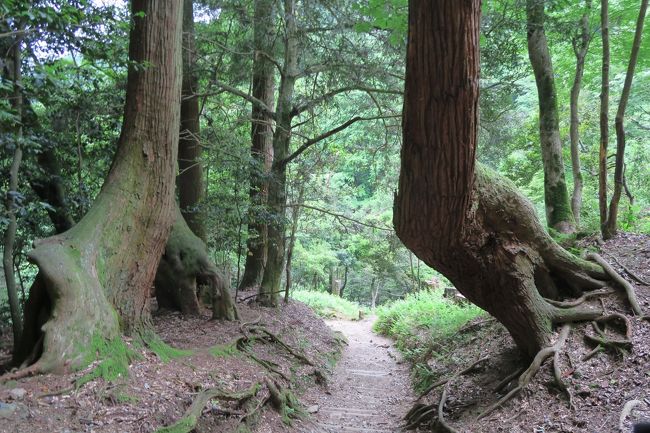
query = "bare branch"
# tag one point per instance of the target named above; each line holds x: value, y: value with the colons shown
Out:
x: 307, y: 144
x: 253, y: 100
x: 341, y: 216
x: 308, y: 105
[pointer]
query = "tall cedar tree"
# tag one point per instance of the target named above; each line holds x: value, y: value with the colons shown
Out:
x: 263, y: 88
x: 190, y: 176
x: 94, y: 279
x: 458, y: 217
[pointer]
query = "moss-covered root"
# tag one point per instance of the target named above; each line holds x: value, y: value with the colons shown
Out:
x: 629, y: 290
x: 284, y: 401
x: 191, y: 417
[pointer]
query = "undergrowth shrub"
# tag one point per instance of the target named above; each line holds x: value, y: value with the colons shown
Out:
x: 327, y: 305
x: 421, y: 325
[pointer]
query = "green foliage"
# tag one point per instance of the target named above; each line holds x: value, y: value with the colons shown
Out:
x: 421, y: 324
x: 327, y: 305
x: 422, y: 318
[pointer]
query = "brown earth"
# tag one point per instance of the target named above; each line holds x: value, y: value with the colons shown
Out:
x: 600, y: 387
x: 368, y: 391
x: 157, y: 392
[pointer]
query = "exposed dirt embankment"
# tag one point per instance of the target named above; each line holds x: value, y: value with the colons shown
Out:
x: 226, y: 357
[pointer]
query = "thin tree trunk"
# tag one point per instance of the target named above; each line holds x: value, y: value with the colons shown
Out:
x: 556, y: 196
x: 345, y: 280
x: 270, y: 286
x: 11, y: 204
x: 94, y: 279
x: 295, y: 215
x: 334, y: 281
x: 580, y: 47
x: 604, y: 115
x: 263, y: 84
x: 374, y: 292
x: 190, y: 177
x: 610, y: 227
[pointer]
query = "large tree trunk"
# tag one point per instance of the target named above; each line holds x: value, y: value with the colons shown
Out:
x: 610, y: 226
x: 263, y: 84
x: 472, y: 225
x: 270, y: 287
x: 94, y: 279
x: 580, y: 47
x: 556, y: 196
x: 190, y: 177
x: 604, y: 114
x: 183, y: 267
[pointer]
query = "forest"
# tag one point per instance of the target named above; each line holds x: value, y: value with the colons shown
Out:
x: 324, y: 216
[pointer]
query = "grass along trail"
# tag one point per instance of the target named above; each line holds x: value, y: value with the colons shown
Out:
x: 369, y: 391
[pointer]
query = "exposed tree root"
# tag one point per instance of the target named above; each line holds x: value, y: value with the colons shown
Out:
x: 273, y: 338
x: 21, y: 373
x: 530, y: 372
x: 283, y: 401
x: 506, y: 380
x: 421, y: 413
x: 558, y: 379
x: 252, y: 332
x: 266, y: 336
x: 627, y: 410
x: 188, y: 421
x: 603, y: 341
x: 632, y: 275
x: 471, y: 326
x: 629, y: 290
x: 460, y: 373
x: 441, y: 415
x: 581, y: 299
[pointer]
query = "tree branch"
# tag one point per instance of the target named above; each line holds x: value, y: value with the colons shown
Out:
x: 308, y: 105
x: 253, y: 100
x: 307, y: 144
x: 341, y: 216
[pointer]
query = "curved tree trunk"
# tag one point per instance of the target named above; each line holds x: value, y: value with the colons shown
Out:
x: 580, y: 47
x: 190, y: 177
x: 94, y: 279
x: 556, y: 196
x: 472, y: 225
x: 263, y: 84
x: 610, y: 226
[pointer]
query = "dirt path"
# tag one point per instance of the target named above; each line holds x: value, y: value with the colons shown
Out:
x: 370, y: 390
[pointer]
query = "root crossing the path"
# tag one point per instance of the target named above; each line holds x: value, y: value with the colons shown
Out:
x: 369, y: 391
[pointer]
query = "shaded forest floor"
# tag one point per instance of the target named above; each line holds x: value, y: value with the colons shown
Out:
x: 162, y: 383
x: 600, y: 387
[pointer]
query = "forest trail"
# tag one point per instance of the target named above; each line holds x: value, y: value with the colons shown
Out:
x: 370, y: 389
